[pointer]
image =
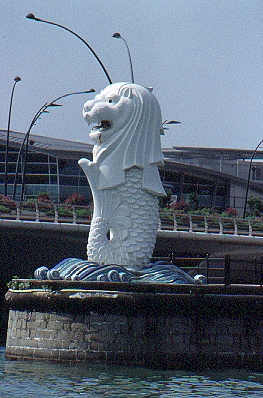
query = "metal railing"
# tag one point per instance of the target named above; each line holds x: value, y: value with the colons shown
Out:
x: 44, y: 212
x: 215, y: 224
x: 65, y: 213
x: 224, y: 270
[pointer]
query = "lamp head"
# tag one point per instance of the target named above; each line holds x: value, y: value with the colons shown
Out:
x: 171, y: 122
x: 32, y: 16
x: 53, y: 104
x: 17, y: 79
x: 117, y: 35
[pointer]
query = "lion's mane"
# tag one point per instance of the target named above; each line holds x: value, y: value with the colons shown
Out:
x: 138, y: 144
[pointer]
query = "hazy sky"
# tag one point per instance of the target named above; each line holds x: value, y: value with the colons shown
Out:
x: 202, y: 57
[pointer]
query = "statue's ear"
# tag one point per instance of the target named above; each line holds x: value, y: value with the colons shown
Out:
x: 127, y: 92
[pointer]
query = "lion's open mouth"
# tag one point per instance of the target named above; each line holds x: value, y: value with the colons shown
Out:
x: 104, y: 125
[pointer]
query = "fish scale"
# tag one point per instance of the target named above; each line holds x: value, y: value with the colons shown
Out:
x: 141, y: 208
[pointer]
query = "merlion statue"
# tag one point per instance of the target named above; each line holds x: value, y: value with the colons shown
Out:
x: 125, y: 184
x: 123, y: 175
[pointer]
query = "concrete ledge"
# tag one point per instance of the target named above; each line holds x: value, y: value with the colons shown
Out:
x: 47, y: 226
x: 135, y: 298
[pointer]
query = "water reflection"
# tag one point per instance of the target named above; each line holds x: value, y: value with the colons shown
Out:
x: 42, y: 379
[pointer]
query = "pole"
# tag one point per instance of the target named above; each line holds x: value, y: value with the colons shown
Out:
x: 118, y: 36
x: 26, y: 139
x: 248, y: 178
x: 32, y: 16
x: 16, y: 79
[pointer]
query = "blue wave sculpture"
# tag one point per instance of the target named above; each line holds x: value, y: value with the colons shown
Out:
x: 76, y: 269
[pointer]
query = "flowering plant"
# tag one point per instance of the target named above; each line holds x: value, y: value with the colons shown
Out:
x: 75, y: 199
x: 7, y: 202
x: 44, y: 197
x: 231, y: 212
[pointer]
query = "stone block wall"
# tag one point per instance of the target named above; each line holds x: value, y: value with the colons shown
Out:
x: 166, y: 340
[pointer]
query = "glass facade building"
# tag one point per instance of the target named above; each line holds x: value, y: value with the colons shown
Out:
x: 50, y: 166
x: 217, y: 177
x: 184, y: 180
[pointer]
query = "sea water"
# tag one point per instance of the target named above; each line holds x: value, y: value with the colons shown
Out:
x: 25, y: 379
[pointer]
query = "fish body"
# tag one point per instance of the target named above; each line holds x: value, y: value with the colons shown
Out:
x: 124, y: 224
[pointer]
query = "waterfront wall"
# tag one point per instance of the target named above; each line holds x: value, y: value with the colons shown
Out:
x: 190, y: 328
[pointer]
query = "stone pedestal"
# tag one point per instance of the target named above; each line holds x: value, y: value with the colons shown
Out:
x: 162, y: 326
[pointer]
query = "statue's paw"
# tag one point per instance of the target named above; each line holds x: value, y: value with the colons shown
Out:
x: 91, y: 170
x: 84, y: 161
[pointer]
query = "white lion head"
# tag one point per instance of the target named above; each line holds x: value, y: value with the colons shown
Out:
x: 127, y: 134
x: 110, y: 110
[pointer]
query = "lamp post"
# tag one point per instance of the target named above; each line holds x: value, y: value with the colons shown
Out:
x: 248, y: 177
x: 16, y: 80
x: 32, y: 16
x: 25, y: 142
x: 118, y: 36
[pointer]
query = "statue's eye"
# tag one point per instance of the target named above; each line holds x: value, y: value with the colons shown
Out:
x: 113, y: 99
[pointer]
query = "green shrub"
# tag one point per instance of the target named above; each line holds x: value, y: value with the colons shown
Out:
x: 83, y: 213
x: 255, y: 207
x: 50, y: 212
x: 4, y: 209
x: 193, y: 201
x: 65, y: 211
x: 29, y: 204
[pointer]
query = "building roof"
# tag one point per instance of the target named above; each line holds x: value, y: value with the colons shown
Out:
x: 75, y: 150
x: 53, y: 146
x: 58, y: 145
x: 203, y: 152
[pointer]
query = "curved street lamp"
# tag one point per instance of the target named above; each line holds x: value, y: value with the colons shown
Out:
x: 32, y: 16
x: 248, y: 177
x: 25, y: 142
x: 16, y: 80
x: 118, y: 36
